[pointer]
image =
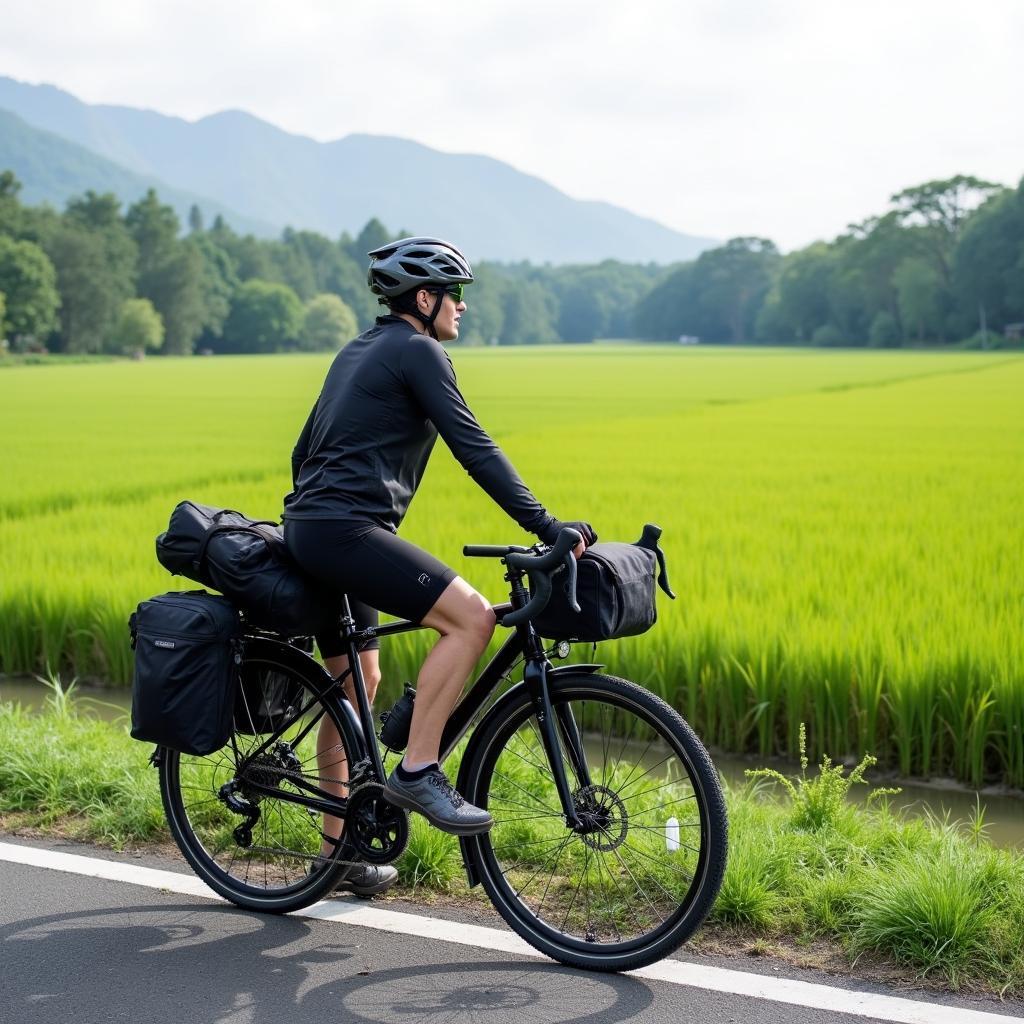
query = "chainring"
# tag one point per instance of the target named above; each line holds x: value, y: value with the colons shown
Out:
x: 376, y: 830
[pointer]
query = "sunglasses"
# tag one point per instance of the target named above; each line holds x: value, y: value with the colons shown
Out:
x: 456, y: 291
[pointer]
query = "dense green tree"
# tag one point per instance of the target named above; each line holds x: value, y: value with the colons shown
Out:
x: 484, y: 319
x: 799, y: 301
x: 170, y: 273
x: 731, y: 283
x: 29, y: 283
x: 265, y: 317
x: 100, y: 215
x: 11, y: 210
x: 716, y: 298
x: 920, y: 293
x: 530, y: 313
x: 884, y: 331
x: 195, y: 219
x: 218, y: 283
x: 940, y: 209
x: 154, y: 227
x: 138, y: 328
x: 3, y: 310
x: 373, y: 236
x: 176, y: 290
x: 670, y: 308
x: 90, y: 299
x: 988, y: 265
x: 327, y: 324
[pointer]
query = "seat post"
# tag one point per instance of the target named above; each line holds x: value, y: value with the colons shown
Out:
x: 348, y: 628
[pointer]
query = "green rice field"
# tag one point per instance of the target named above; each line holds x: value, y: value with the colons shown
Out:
x: 845, y: 530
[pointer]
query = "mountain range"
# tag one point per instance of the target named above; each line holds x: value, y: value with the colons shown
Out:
x: 261, y: 179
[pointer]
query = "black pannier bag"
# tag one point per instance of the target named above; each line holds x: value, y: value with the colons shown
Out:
x: 186, y: 662
x: 246, y: 560
x: 265, y: 699
x: 615, y: 591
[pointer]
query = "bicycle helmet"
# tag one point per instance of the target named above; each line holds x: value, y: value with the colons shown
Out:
x: 410, y: 263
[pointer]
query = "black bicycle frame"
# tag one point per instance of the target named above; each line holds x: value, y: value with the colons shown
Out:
x: 557, y: 729
x: 523, y: 642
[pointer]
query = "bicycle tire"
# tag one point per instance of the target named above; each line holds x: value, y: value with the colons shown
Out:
x: 529, y: 826
x: 285, y: 874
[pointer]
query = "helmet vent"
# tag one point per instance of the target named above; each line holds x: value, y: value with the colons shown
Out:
x: 414, y: 269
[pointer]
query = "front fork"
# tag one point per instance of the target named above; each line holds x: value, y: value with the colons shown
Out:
x: 558, y: 728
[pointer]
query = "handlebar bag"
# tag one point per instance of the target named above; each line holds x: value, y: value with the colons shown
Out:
x: 187, y: 652
x: 247, y: 561
x: 615, y: 590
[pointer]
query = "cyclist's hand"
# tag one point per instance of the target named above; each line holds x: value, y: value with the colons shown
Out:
x: 584, y: 529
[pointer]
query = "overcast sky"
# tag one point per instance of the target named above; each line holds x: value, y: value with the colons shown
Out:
x: 787, y: 119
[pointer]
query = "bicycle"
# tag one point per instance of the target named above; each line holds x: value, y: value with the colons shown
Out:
x: 610, y: 834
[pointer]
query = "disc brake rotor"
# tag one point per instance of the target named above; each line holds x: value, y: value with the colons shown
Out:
x: 603, y: 818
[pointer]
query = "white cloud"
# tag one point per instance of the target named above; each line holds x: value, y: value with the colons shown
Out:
x: 783, y: 118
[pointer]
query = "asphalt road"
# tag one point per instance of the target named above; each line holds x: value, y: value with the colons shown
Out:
x: 77, y: 950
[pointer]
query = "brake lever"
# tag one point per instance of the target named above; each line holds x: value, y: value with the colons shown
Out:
x: 570, y: 565
x: 663, y: 573
x: 649, y: 539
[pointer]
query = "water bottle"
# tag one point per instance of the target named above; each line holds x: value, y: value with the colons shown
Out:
x: 394, y: 730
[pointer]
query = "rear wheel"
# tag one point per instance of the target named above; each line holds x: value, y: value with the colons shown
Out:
x: 644, y: 870
x: 230, y: 812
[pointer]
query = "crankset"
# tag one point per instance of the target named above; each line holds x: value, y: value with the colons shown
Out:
x: 377, y: 830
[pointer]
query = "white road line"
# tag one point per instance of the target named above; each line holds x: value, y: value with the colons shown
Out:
x: 714, y: 979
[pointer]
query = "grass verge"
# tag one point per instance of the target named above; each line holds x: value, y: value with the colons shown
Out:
x: 808, y: 873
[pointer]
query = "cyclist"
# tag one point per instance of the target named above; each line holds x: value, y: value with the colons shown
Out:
x: 357, y: 465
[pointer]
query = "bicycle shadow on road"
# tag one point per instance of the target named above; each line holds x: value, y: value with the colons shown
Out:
x: 222, y: 965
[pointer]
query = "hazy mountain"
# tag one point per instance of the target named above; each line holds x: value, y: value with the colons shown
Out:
x: 52, y: 169
x: 273, y: 176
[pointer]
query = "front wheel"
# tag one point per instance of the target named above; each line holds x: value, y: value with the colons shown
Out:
x: 642, y: 872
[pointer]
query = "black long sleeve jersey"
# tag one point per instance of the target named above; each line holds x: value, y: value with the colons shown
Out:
x: 364, y: 448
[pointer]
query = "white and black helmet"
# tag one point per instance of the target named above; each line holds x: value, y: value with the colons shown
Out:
x: 410, y: 263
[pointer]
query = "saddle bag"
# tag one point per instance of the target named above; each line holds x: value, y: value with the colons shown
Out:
x: 615, y: 591
x: 187, y: 652
x: 246, y: 560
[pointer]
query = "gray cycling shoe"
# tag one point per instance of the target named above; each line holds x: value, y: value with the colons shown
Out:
x: 367, y: 879
x: 433, y: 796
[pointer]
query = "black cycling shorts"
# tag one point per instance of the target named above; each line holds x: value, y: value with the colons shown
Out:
x: 376, y: 568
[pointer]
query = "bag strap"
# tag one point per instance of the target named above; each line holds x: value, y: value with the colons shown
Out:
x: 212, y: 531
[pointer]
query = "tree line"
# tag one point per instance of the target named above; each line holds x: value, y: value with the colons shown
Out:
x: 944, y: 264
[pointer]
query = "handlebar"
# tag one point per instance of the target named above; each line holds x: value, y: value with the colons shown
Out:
x: 543, y: 564
x: 541, y: 569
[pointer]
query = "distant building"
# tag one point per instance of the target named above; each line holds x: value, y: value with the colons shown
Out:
x: 688, y: 339
x: 1013, y: 332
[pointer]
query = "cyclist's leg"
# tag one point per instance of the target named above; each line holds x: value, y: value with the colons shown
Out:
x: 465, y: 622
x: 397, y: 577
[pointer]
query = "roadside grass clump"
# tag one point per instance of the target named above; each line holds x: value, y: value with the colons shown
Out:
x: 937, y: 912
x: 431, y: 860
x: 63, y: 764
x: 931, y: 895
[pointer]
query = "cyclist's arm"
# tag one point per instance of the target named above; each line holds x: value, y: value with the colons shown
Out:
x: 429, y: 374
x: 301, y: 449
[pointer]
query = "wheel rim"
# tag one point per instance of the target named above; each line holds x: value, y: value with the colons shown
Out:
x: 618, y: 887
x: 280, y: 856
